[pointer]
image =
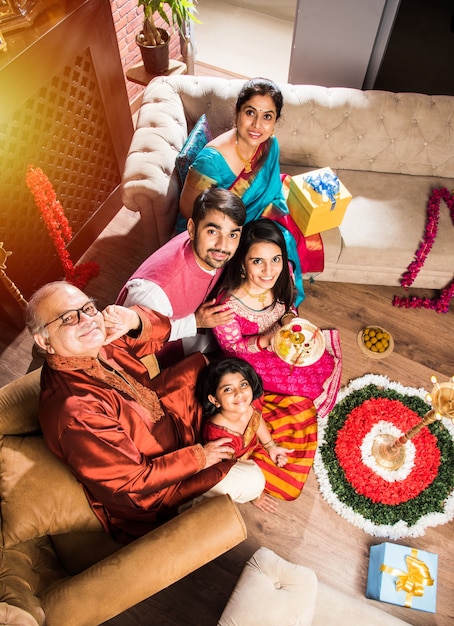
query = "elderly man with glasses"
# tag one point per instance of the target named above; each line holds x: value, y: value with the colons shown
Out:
x: 133, y: 442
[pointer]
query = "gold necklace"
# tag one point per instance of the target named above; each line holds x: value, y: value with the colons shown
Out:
x: 245, y: 162
x: 261, y: 297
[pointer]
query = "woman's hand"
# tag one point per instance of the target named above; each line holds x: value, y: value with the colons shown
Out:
x: 265, y: 341
x: 118, y: 321
x: 187, y: 199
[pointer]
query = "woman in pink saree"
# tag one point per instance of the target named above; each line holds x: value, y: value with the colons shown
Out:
x: 257, y: 286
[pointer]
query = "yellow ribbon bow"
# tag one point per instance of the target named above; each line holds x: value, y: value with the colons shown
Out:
x: 413, y: 581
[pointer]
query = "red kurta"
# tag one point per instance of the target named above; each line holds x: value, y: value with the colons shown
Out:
x: 135, y: 468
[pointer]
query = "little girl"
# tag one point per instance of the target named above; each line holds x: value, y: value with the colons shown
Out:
x: 227, y: 390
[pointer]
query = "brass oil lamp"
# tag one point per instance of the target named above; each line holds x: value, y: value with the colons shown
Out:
x: 389, y: 451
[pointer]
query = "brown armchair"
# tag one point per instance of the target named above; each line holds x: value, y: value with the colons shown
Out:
x: 57, y: 564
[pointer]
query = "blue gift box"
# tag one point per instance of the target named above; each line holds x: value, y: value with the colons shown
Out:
x: 403, y: 576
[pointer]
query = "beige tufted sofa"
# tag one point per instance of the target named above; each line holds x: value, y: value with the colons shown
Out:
x: 389, y: 149
x: 57, y: 566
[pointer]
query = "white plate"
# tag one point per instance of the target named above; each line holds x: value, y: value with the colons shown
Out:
x: 299, y: 354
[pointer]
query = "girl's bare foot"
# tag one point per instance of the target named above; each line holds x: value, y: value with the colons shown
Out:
x: 265, y: 503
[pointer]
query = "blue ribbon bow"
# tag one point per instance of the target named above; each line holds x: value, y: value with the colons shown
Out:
x: 326, y: 184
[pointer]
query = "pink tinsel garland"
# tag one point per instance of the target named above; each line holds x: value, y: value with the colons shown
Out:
x: 58, y: 227
x: 440, y: 304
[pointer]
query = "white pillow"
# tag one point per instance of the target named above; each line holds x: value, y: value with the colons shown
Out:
x: 271, y: 591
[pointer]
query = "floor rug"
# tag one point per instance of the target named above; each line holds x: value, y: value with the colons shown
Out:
x: 384, y: 503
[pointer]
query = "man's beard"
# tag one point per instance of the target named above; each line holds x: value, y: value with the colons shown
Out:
x: 213, y: 263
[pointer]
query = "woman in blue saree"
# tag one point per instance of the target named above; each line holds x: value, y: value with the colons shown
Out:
x: 245, y: 159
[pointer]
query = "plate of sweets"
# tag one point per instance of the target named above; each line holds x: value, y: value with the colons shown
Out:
x: 299, y: 343
x: 375, y: 341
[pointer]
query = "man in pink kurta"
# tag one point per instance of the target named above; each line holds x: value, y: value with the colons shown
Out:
x: 133, y: 443
x: 176, y: 279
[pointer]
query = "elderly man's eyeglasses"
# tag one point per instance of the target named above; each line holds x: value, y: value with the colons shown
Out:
x: 72, y: 317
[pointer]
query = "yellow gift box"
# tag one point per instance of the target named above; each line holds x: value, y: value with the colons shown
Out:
x: 313, y: 211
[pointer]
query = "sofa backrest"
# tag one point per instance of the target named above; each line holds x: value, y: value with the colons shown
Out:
x: 343, y: 128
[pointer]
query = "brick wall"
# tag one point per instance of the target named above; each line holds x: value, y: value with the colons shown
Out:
x: 128, y: 22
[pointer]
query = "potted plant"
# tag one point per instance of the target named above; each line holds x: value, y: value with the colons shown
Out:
x: 154, y: 41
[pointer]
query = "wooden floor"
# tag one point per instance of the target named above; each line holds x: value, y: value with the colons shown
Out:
x: 306, y: 531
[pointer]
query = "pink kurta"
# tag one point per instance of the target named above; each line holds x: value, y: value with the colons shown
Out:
x: 319, y: 381
x: 137, y: 461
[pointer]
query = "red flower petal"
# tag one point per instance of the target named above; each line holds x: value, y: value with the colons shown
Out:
x: 363, y: 479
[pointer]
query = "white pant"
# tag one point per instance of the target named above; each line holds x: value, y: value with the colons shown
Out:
x: 201, y: 342
x: 244, y: 482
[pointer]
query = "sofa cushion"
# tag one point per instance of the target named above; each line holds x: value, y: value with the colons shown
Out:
x: 384, y: 224
x: 19, y: 405
x: 15, y: 616
x: 271, y: 591
x: 39, y: 494
x: 26, y: 569
x: 199, y: 136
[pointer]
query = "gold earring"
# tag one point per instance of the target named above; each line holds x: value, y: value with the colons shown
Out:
x: 243, y: 273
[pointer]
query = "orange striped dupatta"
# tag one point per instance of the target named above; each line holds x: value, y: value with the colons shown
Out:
x: 292, y: 421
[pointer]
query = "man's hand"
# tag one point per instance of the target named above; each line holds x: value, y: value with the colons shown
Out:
x: 210, y: 314
x: 218, y: 450
x: 119, y: 320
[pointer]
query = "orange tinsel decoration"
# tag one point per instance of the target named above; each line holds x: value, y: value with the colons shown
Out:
x: 58, y: 227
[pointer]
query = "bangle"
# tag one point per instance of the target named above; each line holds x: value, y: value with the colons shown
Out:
x: 286, y: 314
x: 258, y: 344
x: 270, y: 444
